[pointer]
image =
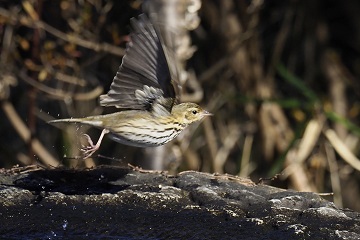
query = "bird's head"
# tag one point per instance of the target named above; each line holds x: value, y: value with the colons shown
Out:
x: 187, y: 113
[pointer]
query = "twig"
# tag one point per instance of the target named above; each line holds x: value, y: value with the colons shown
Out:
x: 59, y: 94
x: 228, y: 143
x: 342, y: 149
x: 29, y: 22
x: 279, y: 44
x: 245, y: 159
x: 140, y: 170
x: 210, y: 138
x: 297, y: 173
x: 69, y: 79
x: 214, y: 69
x: 309, y: 140
x: 337, y: 89
x: 334, y: 175
x: 25, y: 134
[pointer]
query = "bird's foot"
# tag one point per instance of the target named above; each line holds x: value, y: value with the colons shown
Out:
x: 88, y: 150
x: 91, y: 148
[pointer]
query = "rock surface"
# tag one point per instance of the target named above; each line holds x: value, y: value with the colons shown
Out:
x: 123, y: 203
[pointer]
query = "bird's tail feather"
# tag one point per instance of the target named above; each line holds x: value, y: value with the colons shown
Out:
x: 88, y: 121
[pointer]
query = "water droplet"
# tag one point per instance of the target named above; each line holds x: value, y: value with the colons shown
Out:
x: 65, y: 224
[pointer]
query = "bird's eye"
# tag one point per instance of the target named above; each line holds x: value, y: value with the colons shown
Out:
x: 194, y: 112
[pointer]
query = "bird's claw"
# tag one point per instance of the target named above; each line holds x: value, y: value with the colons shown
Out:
x: 88, y: 150
x: 88, y: 138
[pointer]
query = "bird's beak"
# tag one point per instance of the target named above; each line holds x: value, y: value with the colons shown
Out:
x: 206, y: 113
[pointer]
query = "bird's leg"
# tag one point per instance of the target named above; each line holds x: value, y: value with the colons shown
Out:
x: 89, y: 150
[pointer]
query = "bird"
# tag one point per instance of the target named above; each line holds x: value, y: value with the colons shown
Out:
x: 146, y: 90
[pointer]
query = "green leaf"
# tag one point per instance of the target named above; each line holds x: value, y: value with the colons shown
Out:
x: 296, y: 82
x: 344, y: 121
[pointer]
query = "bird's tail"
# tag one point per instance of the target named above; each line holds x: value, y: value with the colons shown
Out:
x: 88, y: 120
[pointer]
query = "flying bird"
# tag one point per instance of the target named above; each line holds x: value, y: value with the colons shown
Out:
x: 146, y: 90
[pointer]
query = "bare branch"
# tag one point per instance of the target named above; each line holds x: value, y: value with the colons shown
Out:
x: 30, y: 22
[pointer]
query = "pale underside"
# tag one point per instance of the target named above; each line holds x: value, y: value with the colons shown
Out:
x: 137, y: 128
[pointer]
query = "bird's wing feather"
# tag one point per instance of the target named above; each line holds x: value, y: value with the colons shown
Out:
x: 144, y: 64
x: 168, y: 37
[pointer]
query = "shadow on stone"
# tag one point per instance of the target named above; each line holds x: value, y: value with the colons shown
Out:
x: 123, y: 203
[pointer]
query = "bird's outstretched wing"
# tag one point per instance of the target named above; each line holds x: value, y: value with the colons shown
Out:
x: 143, y: 78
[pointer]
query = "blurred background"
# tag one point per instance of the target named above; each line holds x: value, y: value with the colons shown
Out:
x: 280, y: 77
